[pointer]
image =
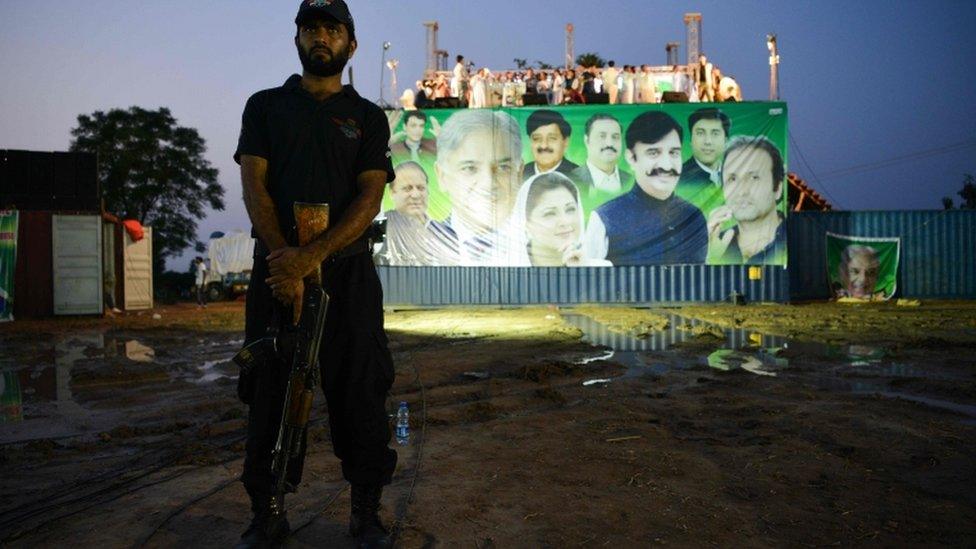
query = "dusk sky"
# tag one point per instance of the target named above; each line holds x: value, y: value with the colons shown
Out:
x: 867, y: 82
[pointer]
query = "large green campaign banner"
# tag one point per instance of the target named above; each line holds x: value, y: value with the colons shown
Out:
x: 8, y: 259
x: 588, y: 185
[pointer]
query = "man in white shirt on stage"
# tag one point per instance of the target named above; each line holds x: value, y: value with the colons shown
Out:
x: 610, y: 83
x: 459, y: 85
x: 647, y: 85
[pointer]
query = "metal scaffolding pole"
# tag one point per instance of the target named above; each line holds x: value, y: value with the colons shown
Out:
x: 570, y: 46
x: 432, y: 28
x: 773, y: 67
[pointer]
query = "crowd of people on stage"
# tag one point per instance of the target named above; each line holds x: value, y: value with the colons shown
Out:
x: 719, y: 206
x: 627, y: 84
x: 711, y: 86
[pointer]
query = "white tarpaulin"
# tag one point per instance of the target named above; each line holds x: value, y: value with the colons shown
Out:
x: 233, y: 253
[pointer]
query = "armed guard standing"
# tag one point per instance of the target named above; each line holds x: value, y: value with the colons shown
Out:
x: 315, y: 140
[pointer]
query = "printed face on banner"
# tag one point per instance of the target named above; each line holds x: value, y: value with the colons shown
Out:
x: 604, y: 143
x: 481, y: 178
x: 748, y: 184
x: 553, y: 220
x: 708, y: 192
x: 657, y: 166
x: 409, y: 190
x: 860, y: 272
x: 414, y: 128
x: 548, y: 146
x: 708, y: 142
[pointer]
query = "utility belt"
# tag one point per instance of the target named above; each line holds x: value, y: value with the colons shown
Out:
x: 360, y: 246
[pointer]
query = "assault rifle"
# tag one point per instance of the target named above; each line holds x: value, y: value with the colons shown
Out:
x: 300, y: 345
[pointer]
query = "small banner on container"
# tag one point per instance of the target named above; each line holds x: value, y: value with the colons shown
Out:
x: 861, y: 267
x: 8, y: 259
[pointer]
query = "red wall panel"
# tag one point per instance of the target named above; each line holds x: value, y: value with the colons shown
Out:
x: 34, y: 273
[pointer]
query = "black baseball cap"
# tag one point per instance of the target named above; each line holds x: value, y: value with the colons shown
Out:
x: 333, y: 9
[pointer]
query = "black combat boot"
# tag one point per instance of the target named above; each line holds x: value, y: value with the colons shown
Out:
x: 265, y: 531
x: 364, y: 524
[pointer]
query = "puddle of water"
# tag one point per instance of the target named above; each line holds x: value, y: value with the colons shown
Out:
x: 210, y: 372
x: 760, y: 354
x: 38, y: 387
x: 52, y: 382
x: 80, y: 383
x: 598, y: 334
x: 736, y: 349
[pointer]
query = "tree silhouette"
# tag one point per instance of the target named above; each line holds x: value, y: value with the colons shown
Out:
x: 590, y: 59
x: 968, y: 194
x: 151, y: 170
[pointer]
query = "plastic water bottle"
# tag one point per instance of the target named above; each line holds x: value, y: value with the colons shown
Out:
x: 403, y: 425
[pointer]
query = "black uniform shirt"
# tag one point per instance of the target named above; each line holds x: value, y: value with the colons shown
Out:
x: 315, y: 149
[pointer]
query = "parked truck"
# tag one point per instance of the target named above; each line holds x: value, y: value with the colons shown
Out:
x: 231, y: 258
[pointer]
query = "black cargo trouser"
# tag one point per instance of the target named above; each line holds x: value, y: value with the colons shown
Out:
x: 356, y: 371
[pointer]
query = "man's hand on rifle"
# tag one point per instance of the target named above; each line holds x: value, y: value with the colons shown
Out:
x: 288, y: 291
x: 291, y: 262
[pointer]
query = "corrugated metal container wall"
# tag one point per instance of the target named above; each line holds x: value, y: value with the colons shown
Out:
x: 430, y: 286
x: 938, y: 250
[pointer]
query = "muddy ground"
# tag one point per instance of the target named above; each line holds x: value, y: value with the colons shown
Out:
x: 763, y: 425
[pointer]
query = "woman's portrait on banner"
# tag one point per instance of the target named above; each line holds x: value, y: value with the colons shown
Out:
x: 548, y: 224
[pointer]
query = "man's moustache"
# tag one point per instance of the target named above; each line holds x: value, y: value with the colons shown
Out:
x: 612, y: 149
x: 659, y: 172
x: 544, y: 151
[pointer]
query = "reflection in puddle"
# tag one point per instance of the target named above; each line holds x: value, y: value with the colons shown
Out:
x: 210, y: 371
x: 589, y: 382
x: 605, y: 356
x: 631, y: 351
x: 79, y: 382
x: 598, y: 334
x: 738, y: 349
x: 37, y: 400
x: 47, y: 383
x: 36, y: 397
x: 138, y: 352
x: 762, y: 363
x: 11, y: 404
